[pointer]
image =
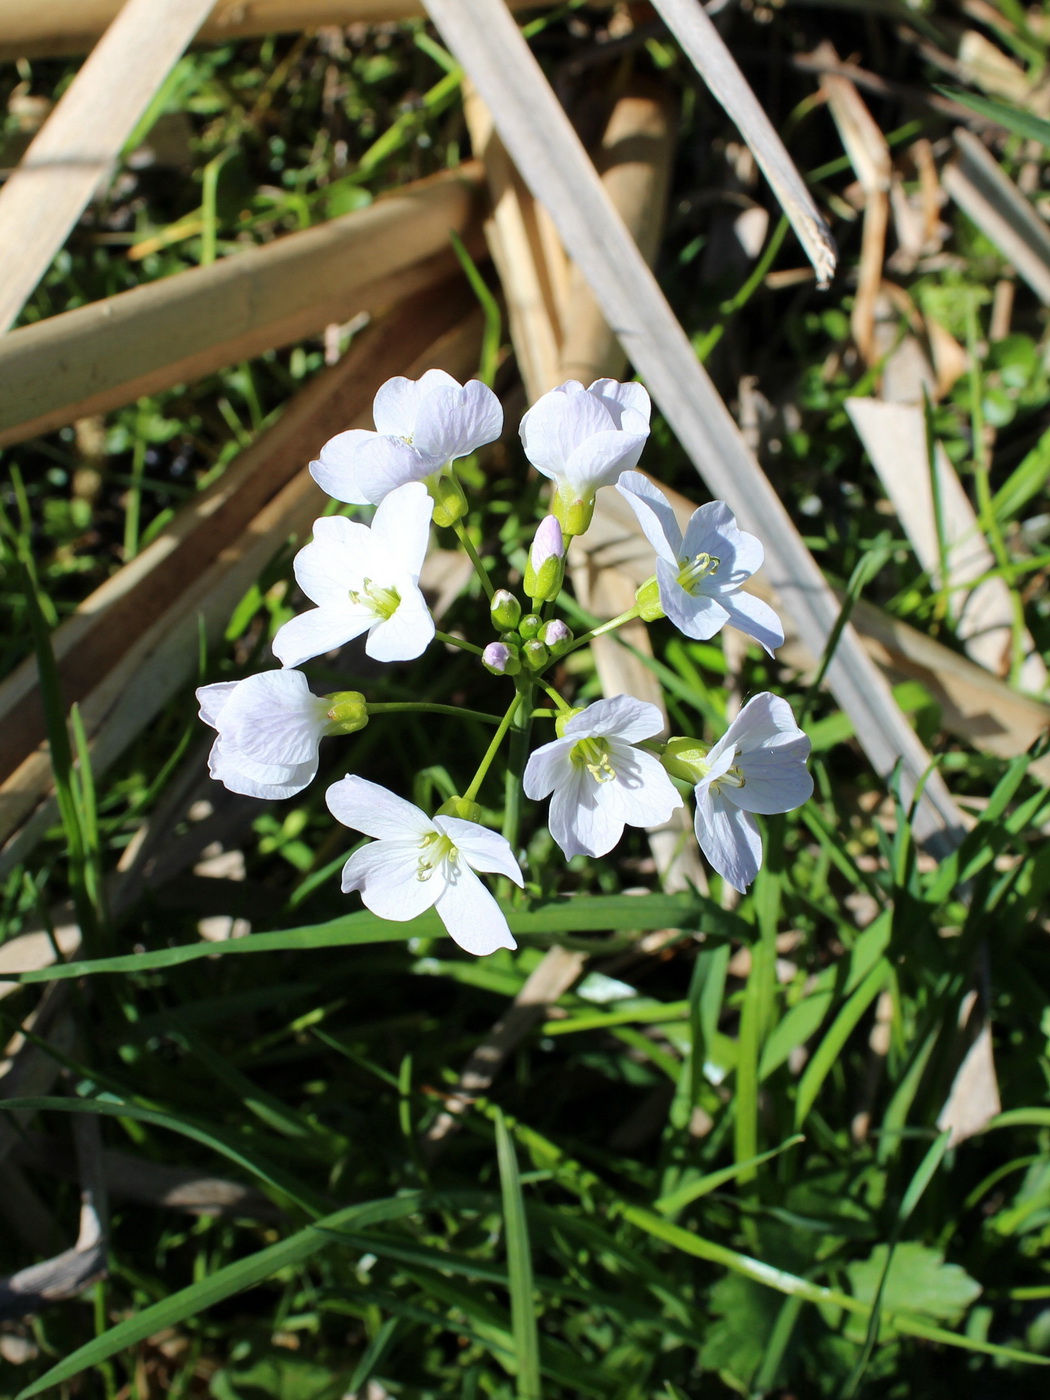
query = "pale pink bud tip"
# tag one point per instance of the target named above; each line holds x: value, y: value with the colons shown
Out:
x: 500, y: 660
x: 548, y: 542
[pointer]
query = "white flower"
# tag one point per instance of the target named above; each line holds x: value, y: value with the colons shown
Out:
x: 418, y: 862
x: 583, y: 439
x: 700, y: 576
x: 364, y: 579
x: 421, y: 426
x: 270, y: 726
x: 601, y: 782
x: 758, y: 765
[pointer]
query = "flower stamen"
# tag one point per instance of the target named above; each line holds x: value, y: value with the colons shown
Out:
x: 383, y: 602
x: 435, y: 849
x: 593, y: 754
x: 693, y: 571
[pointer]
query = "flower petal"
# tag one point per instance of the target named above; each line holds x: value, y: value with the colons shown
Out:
x: 729, y: 838
x: 762, y: 721
x: 319, y: 630
x: 471, y: 914
x: 334, y: 562
x: 558, y: 422
x: 387, y: 875
x: 385, y: 463
x: 600, y: 460
x: 712, y: 529
x: 698, y: 615
x: 482, y: 849
x: 242, y: 774
x: 647, y: 795
x: 627, y: 396
x: 547, y: 767
x: 396, y: 405
x: 620, y: 715
x: 212, y: 700
x: 586, y: 817
x: 455, y: 421
x: 407, y: 633
x: 274, y: 718
x: 755, y: 618
x: 375, y: 810
x: 400, y: 529
x: 776, y: 778
x: 335, y: 470
x: 654, y: 513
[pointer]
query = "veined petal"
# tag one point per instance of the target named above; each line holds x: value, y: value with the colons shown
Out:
x: 212, y: 699
x: 776, y: 778
x: 729, y: 838
x: 647, y: 795
x: 385, y: 463
x: 400, y: 529
x: 654, y: 513
x: 471, y: 914
x: 600, y: 459
x: 763, y: 720
x: 620, y: 715
x: 547, y: 767
x: 396, y: 406
x: 586, y: 817
x: 558, y: 422
x: 274, y: 718
x: 712, y: 529
x: 455, y: 421
x: 625, y: 396
x: 406, y: 633
x: 698, y: 615
x: 319, y: 630
x: 335, y: 469
x: 754, y: 617
x: 387, y: 875
x: 331, y: 564
x: 242, y: 774
x: 375, y: 810
x: 480, y: 848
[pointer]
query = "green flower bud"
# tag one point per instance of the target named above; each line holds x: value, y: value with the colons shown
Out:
x: 545, y: 569
x: 686, y: 759
x: 500, y: 659
x: 460, y: 807
x: 535, y: 654
x: 563, y: 719
x: 648, y: 600
x: 511, y: 639
x: 530, y: 625
x: 574, y: 515
x: 556, y: 635
x: 347, y: 711
x: 505, y: 610
x: 450, y: 504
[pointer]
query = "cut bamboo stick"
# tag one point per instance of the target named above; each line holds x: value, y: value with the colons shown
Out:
x: 488, y: 43
x: 109, y: 353
x: 81, y: 140
x: 38, y: 28
x: 135, y: 641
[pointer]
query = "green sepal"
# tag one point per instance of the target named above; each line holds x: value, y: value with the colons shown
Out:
x: 347, y: 711
x: 460, y: 807
x: 648, y: 600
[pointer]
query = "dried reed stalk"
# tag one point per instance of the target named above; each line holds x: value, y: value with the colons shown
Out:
x: 79, y: 144
x: 487, y: 42
x: 174, y: 331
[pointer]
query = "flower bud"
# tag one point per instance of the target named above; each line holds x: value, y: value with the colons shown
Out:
x: 500, y: 660
x: 505, y: 610
x: 512, y: 640
x: 347, y: 711
x: 648, y: 600
x: 530, y: 625
x: 461, y: 807
x: 450, y: 504
x: 555, y: 635
x: 562, y: 720
x: 686, y: 759
x: 535, y: 654
x: 545, y: 569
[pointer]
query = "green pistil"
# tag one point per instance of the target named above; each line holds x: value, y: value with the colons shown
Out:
x: 593, y: 754
x: 384, y: 602
x: 693, y: 571
x: 435, y: 848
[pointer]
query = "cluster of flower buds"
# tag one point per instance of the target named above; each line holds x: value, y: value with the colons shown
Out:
x: 606, y: 768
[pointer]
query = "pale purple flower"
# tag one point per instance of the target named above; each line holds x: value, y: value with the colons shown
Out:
x: 582, y: 439
x: 701, y: 574
x: 364, y: 579
x: 270, y: 726
x: 500, y: 660
x: 758, y: 765
x: 601, y: 782
x: 421, y: 426
x: 419, y: 862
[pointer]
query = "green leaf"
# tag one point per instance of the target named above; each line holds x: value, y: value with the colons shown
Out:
x: 918, y: 1282
x: 1015, y: 119
x: 519, y: 1267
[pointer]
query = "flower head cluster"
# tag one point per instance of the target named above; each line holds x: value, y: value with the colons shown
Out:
x: 608, y: 766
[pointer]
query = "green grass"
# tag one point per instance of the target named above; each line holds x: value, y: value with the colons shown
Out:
x: 713, y: 1169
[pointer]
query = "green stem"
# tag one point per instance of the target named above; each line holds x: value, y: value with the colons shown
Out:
x: 628, y: 616
x: 457, y: 642
x: 519, y: 756
x: 562, y: 705
x: 493, y: 748
x: 394, y: 706
x: 472, y: 554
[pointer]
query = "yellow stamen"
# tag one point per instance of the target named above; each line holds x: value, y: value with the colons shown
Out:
x: 593, y: 754
x: 693, y: 571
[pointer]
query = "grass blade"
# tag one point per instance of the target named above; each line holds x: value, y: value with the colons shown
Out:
x: 519, y: 1267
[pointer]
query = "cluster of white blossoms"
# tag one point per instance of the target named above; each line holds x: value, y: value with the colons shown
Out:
x: 607, y: 767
